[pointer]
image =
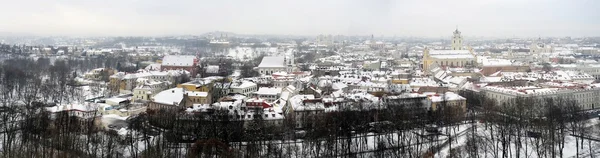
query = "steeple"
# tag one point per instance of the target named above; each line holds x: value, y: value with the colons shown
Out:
x: 457, y: 40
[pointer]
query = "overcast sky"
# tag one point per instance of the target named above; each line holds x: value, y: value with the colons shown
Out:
x: 427, y: 18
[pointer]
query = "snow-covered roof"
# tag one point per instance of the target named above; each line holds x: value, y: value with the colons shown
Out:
x: 242, y: 84
x: 144, y: 74
x: 178, y: 60
x: 338, y: 86
x: 448, y: 96
x: 116, y: 100
x: 170, y: 96
x: 272, y: 61
x: 521, y: 90
x: 450, y: 54
x: 153, y: 67
x: 297, y: 103
x: 268, y: 91
x: 212, y: 69
x: 83, y: 107
x: 196, y: 94
x: 496, y: 62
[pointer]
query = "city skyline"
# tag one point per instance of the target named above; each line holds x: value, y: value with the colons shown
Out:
x: 304, y: 18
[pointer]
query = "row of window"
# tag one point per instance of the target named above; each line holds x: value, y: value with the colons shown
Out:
x: 251, y: 116
x: 452, y: 63
x: 250, y: 89
x: 197, y: 100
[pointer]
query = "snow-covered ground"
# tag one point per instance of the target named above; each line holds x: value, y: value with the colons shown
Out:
x: 587, y: 147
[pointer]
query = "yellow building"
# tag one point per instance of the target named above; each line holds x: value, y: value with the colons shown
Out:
x: 400, y: 81
x: 196, y: 86
x: 199, y: 97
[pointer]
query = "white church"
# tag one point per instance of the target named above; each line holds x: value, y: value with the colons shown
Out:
x: 278, y: 63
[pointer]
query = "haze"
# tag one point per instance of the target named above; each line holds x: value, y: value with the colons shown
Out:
x: 429, y: 18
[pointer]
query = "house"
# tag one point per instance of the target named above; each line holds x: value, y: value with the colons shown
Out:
x: 116, y: 101
x: 436, y: 101
x: 82, y: 111
x: 178, y: 98
x: 97, y: 74
x: 302, y: 107
x: 121, y: 111
x: 211, y: 70
x: 147, y: 89
x: 243, y: 87
x: 81, y: 116
x: 270, y: 94
x: 125, y: 82
x: 197, y: 85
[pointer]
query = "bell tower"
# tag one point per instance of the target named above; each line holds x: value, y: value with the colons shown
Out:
x: 457, y: 40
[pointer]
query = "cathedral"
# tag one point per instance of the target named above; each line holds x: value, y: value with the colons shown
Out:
x: 457, y: 56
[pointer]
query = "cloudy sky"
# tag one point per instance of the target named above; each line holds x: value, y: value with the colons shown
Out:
x: 428, y: 18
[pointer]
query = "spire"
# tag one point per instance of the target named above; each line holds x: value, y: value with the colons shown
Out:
x: 456, y: 31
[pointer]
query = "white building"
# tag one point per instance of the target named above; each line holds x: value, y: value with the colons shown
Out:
x: 148, y: 88
x: 243, y: 87
x: 271, y: 64
x: 268, y: 93
x: 584, y: 95
x: 83, y: 110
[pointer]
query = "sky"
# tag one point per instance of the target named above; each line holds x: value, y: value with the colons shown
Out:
x: 403, y: 18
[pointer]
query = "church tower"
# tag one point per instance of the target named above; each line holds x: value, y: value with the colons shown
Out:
x: 289, y: 61
x: 457, y: 40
